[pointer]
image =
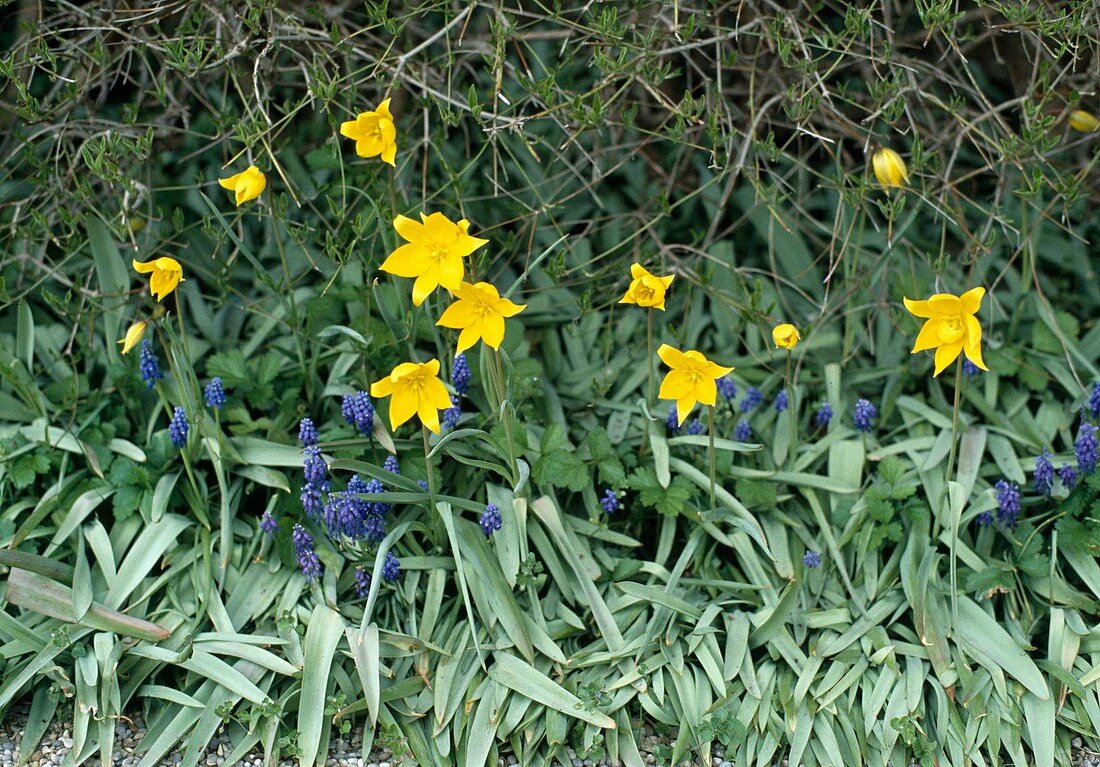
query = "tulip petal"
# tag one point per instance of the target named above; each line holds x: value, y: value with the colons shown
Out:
x: 458, y: 315
x: 229, y: 183
x: 492, y: 331
x: 637, y: 271
x: 403, y: 406
x: 410, y: 229
x: 918, y: 308
x: 449, y: 272
x: 383, y: 387
x: 706, y: 391
x: 406, y: 261
x: 467, y: 338
x: 671, y: 356
x: 945, y: 355
x: 424, y: 286
x: 509, y: 309
x: 676, y: 385
x: 928, y: 337
x: 144, y: 268
x: 683, y: 408
x: 973, y: 345
x: 972, y: 300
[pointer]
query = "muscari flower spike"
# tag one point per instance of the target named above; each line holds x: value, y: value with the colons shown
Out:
x: 268, y: 524
x: 1085, y: 448
x: 357, y: 410
x: 362, y: 583
x: 811, y: 559
x: 727, y: 388
x: 178, y: 427
x: 148, y: 365
x: 1094, y: 400
x: 610, y: 501
x: 308, y: 561
x: 695, y: 427
x: 752, y: 400
x: 823, y: 415
x: 782, y: 402
x: 391, y: 568
x: 743, y: 431
x: 865, y: 413
x: 460, y: 374
x: 214, y: 394
x: 1067, y: 476
x: 452, y: 414
x: 1008, y: 502
x: 307, y: 432
x: 490, y: 519
x: 1044, y: 473
x: 391, y: 465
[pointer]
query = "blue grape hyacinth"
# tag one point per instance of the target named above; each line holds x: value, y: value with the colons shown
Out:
x: 811, y: 559
x: 1008, y: 502
x: 357, y: 411
x: 460, y: 374
x: 391, y: 465
x: 214, y: 394
x: 610, y: 502
x: 782, y: 401
x: 823, y: 415
x: 149, y: 365
x: 178, y: 428
x: 1094, y: 400
x: 362, y: 583
x: 752, y: 399
x: 695, y: 427
x: 268, y: 523
x: 1085, y: 447
x: 727, y: 388
x: 308, y: 561
x: 1067, y: 476
x: 865, y: 413
x: 1044, y: 473
x: 307, y: 433
x: 490, y: 519
x: 391, y: 568
x: 743, y: 431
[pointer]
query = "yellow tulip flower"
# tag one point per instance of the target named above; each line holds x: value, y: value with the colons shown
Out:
x: 951, y: 327
x: 165, y: 274
x: 479, y: 313
x: 785, y: 336
x: 889, y: 168
x: 246, y: 185
x: 374, y: 133
x: 691, y: 379
x: 133, y: 335
x: 1083, y: 121
x: 646, y: 289
x: 434, y: 253
x: 415, y: 389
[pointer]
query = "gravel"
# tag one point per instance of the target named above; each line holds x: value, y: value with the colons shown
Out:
x: 343, y: 752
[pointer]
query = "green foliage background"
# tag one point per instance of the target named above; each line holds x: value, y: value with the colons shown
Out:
x: 725, y: 143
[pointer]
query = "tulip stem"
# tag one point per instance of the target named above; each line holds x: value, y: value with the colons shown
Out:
x: 946, y: 503
x: 710, y: 455
x: 649, y: 382
x: 791, y: 426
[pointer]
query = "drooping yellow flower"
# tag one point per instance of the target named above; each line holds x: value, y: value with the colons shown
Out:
x: 646, y: 289
x: 690, y: 380
x: 434, y: 253
x: 166, y: 273
x: 951, y: 327
x: 247, y: 185
x: 889, y: 168
x: 479, y: 312
x: 133, y: 335
x: 374, y: 133
x: 1083, y: 121
x: 785, y: 336
x: 414, y: 389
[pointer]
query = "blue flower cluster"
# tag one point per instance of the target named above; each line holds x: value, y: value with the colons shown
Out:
x: 362, y: 583
x: 811, y: 559
x: 148, y: 365
x: 727, y: 388
x: 178, y: 428
x: 1044, y: 473
x: 743, y: 431
x: 865, y: 413
x: 357, y: 410
x: 695, y: 427
x: 1085, y: 448
x: 268, y: 523
x: 460, y: 374
x: 391, y: 568
x: 391, y: 465
x: 490, y: 519
x: 307, y: 433
x: 752, y: 400
x: 1094, y: 400
x: 610, y: 502
x: 1008, y: 502
x: 306, y: 554
x: 214, y: 394
x: 970, y: 368
x: 823, y: 415
x: 452, y: 414
x: 782, y: 402
x: 673, y: 421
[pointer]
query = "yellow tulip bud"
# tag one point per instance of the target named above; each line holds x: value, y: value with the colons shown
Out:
x: 133, y: 335
x: 889, y: 168
x: 785, y: 336
x: 1083, y: 121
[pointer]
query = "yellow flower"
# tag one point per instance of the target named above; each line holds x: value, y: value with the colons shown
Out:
x: 133, y: 334
x: 785, y: 336
x: 691, y: 379
x: 889, y: 168
x: 246, y: 185
x: 646, y: 289
x: 1083, y: 121
x: 951, y: 327
x: 433, y: 254
x: 166, y: 275
x: 374, y: 133
x: 479, y: 313
x: 415, y: 390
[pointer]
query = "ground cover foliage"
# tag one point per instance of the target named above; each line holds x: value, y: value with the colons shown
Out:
x: 727, y: 144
